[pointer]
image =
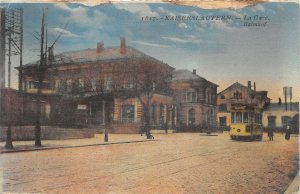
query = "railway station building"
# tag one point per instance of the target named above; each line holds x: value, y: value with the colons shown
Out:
x: 238, y: 93
x: 120, y: 85
x: 87, y: 87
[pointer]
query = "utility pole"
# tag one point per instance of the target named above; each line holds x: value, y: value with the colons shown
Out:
x: 9, y: 56
x: 40, y: 76
x: 21, y: 69
x: 8, y: 144
x: 14, y: 31
x: 21, y: 54
x: 2, y: 46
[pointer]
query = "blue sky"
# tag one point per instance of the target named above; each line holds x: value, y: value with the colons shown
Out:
x: 221, y: 51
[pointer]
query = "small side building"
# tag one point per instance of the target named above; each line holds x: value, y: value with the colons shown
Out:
x: 279, y: 115
x: 196, y: 101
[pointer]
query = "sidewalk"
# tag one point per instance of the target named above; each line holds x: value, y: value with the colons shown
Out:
x: 294, y: 186
x: 22, y: 146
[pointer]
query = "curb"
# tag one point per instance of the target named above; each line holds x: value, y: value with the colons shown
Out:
x: 294, y: 186
x: 76, y: 146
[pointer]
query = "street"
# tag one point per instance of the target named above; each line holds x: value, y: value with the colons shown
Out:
x: 175, y: 163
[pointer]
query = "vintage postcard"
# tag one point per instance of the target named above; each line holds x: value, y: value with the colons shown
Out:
x: 149, y: 97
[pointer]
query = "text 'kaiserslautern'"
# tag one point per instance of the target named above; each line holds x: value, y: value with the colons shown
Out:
x: 187, y: 18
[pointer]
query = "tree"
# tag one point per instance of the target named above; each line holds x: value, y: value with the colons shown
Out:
x: 88, y: 85
x: 149, y: 77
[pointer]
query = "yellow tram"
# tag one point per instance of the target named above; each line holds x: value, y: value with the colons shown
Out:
x: 246, y: 122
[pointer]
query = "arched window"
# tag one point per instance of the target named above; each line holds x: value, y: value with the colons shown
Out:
x: 154, y: 113
x: 191, y: 117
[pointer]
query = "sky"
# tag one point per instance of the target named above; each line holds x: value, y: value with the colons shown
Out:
x: 222, y: 51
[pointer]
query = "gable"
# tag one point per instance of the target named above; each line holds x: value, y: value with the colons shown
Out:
x: 236, y: 87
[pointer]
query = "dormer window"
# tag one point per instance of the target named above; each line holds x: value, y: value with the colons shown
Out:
x: 237, y: 95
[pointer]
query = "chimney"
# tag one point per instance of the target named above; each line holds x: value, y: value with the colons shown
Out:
x: 249, y: 85
x: 254, y: 86
x: 100, y: 47
x: 194, y: 71
x: 122, y: 46
x: 50, y: 54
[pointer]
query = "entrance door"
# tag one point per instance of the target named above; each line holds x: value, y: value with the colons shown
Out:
x: 271, y: 121
x: 191, y: 117
x: 222, y: 121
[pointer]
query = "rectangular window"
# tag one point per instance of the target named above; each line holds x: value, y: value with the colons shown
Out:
x: 94, y: 88
x: 128, y: 83
x: 222, y: 107
x: 232, y: 117
x: 193, y: 96
x: 108, y: 83
x: 245, y: 117
x: 57, y: 85
x: 128, y: 113
x: 238, y: 117
x: 188, y: 96
x: 69, y: 85
x: 81, y: 83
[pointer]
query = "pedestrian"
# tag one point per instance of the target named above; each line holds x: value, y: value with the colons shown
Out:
x: 288, y: 133
x: 166, y: 128
x: 270, y: 134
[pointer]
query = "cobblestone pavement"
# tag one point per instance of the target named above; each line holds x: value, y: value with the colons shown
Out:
x: 177, y: 163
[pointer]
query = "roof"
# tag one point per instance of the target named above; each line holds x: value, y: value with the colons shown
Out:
x: 91, y: 55
x: 186, y: 75
x: 277, y: 106
x: 237, y: 84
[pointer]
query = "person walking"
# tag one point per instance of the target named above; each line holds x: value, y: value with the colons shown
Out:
x: 270, y: 134
x: 288, y: 133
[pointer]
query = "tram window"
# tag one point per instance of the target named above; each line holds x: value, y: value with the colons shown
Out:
x: 251, y: 116
x: 238, y: 117
x: 245, y: 118
x: 232, y: 118
x: 258, y: 118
